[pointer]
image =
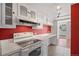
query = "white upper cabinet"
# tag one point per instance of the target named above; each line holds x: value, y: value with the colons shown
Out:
x: 22, y: 11
x: 26, y: 16
x: 33, y: 16
x: 8, y: 15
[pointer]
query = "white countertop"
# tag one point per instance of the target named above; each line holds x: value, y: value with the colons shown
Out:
x: 8, y: 47
x: 40, y: 37
x: 43, y: 36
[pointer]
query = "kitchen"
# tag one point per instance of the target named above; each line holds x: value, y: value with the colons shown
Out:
x: 35, y: 29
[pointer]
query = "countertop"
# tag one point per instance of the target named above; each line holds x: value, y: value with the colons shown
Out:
x: 44, y: 36
x: 8, y: 47
x: 40, y: 37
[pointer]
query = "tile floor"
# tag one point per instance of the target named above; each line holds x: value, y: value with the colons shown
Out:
x: 61, y: 49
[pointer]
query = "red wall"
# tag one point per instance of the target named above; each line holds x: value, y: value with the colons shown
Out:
x: 8, y: 33
x: 75, y: 29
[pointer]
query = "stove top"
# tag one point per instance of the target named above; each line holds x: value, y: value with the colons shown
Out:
x: 23, y: 37
x: 26, y: 43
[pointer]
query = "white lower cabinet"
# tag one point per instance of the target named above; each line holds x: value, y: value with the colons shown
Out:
x: 45, y: 44
x: 53, y: 40
x: 44, y: 50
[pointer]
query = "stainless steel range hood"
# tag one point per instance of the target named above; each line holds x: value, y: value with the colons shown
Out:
x: 27, y: 23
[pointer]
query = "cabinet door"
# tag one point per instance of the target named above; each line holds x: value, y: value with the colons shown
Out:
x: 22, y: 12
x: 53, y: 40
x: 8, y: 15
x: 44, y: 47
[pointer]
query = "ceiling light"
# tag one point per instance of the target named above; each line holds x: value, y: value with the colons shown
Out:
x: 58, y: 7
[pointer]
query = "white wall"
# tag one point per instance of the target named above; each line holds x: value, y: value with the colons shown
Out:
x: 48, y: 9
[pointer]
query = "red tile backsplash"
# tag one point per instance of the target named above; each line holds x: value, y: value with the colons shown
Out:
x: 8, y: 33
